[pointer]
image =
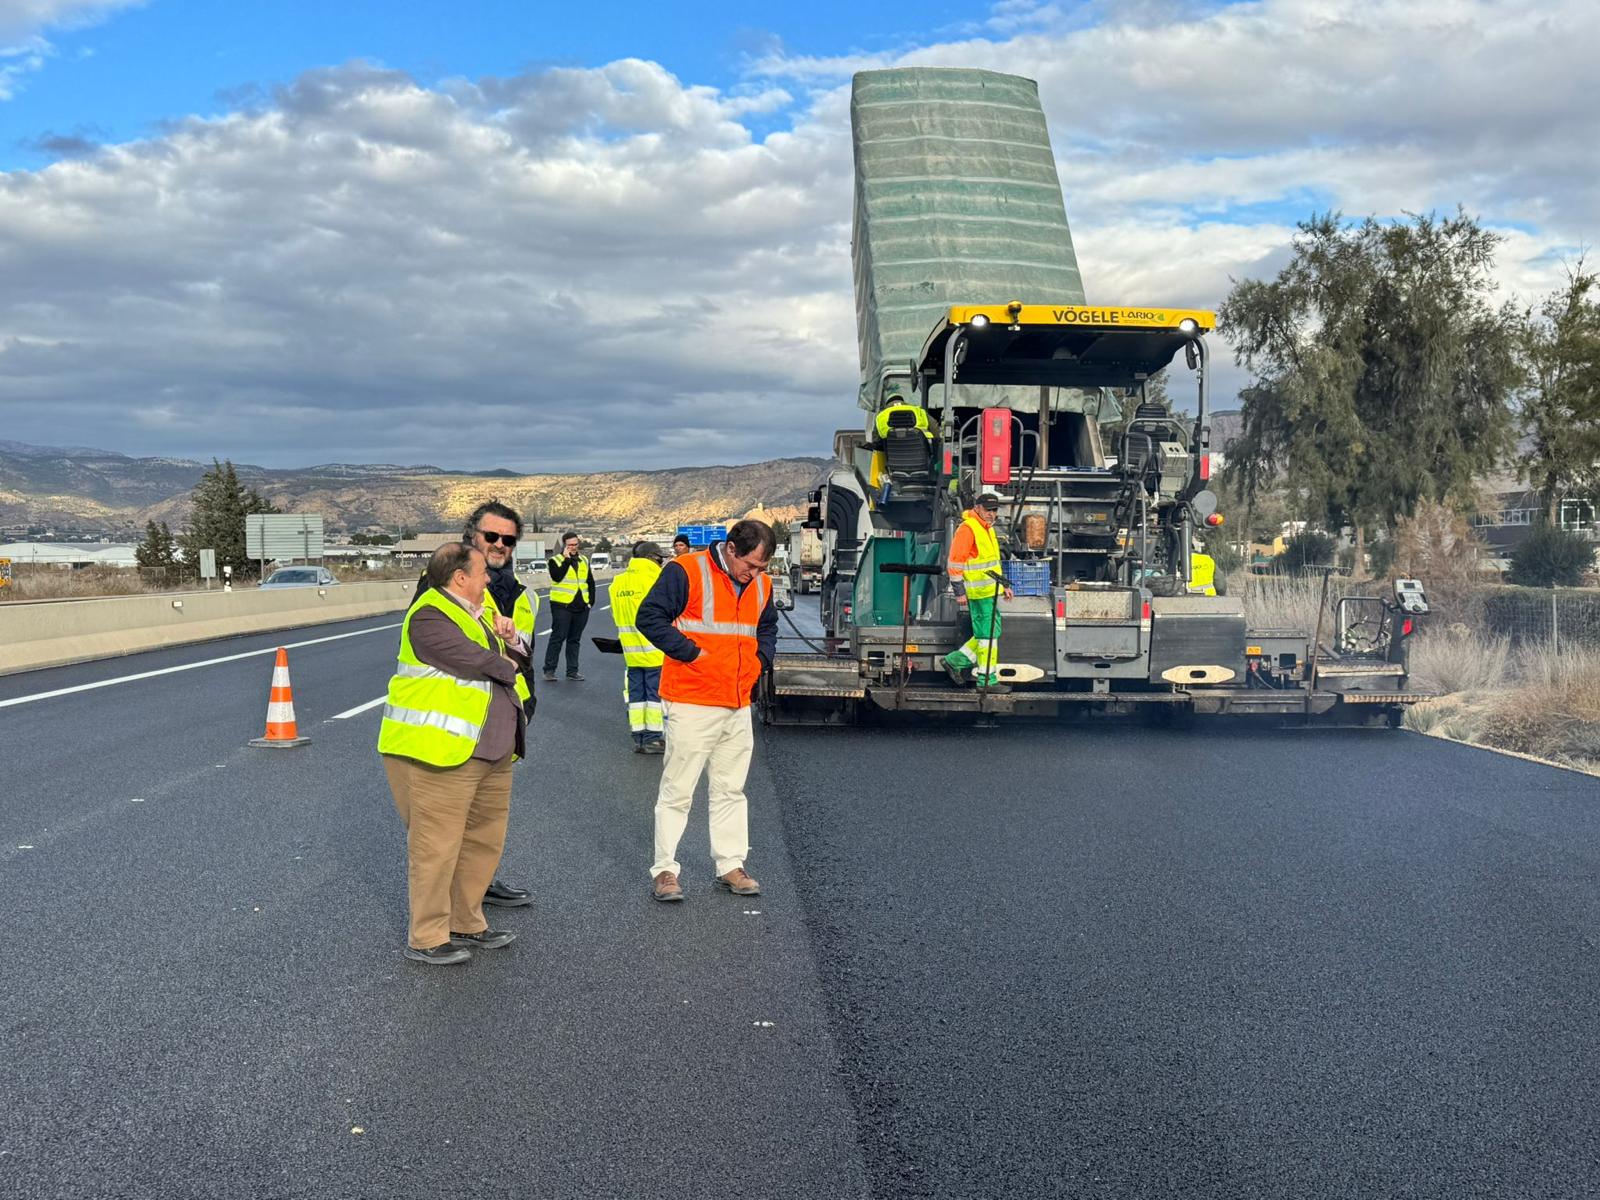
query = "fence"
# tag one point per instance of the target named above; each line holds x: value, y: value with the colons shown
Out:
x: 1560, y: 616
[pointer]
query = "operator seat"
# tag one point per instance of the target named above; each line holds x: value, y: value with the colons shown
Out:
x: 910, y: 455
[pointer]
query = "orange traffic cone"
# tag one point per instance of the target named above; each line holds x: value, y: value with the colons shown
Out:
x: 281, y: 732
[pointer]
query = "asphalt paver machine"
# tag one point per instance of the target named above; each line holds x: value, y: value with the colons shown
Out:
x: 970, y: 309
x: 1104, y: 489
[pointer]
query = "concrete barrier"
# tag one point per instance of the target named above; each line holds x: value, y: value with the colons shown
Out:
x: 52, y: 633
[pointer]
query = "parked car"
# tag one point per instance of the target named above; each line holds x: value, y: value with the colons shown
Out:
x: 293, y: 577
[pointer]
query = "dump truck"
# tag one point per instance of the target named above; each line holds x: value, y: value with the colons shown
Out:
x: 805, y: 559
x: 970, y: 307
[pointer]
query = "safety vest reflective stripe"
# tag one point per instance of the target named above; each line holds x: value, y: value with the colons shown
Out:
x: 433, y: 720
x: 423, y: 671
x: 577, y: 575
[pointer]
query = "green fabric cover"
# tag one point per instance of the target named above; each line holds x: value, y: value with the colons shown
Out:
x: 957, y: 202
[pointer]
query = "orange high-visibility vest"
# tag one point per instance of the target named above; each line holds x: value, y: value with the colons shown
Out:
x: 722, y: 622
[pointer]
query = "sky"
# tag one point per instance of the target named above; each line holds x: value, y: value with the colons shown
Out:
x: 616, y: 235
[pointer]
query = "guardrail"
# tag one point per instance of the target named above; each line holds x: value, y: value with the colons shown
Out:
x: 52, y: 633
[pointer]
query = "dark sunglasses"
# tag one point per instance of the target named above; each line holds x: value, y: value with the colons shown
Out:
x: 507, y: 539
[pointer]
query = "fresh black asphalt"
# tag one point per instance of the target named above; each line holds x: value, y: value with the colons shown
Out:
x: 1041, y: 961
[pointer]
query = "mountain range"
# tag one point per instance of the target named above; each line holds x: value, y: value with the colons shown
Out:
x: 80, y: 490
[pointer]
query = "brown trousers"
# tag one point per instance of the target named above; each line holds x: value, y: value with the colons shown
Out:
x: 455, y: 819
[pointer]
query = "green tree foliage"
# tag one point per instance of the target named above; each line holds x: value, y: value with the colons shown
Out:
x: 220, y: 504
x: 1551, y: 557
x: 1311, y: 551
x: 1382, y: 373
x: 371, y: 539
x: 1561, y: 406
x: 157, y: 556
x: 780, y: 530
x: 603, y: 546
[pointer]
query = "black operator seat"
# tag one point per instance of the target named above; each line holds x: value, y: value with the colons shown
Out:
x: 909, y: 455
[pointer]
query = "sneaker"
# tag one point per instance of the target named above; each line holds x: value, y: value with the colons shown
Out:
x: 638, y: 748
x: 666, y: 887
x: 440, y: 956
x: 549, y: 676
x: 738, y: 882
x: 575, y: 677
x: 655, y: 746
x: 506, y: 896
x: 486, y: 939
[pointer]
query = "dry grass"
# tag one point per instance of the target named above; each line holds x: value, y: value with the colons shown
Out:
x: 1455, y: 659
x: 59, y: 583
x: 1280, y: 601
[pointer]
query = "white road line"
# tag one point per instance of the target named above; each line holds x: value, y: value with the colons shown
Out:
x: 360, y: 708
x: 210, y: 662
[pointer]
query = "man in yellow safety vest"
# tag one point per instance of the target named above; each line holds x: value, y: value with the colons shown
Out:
x: 974, y: 569
x: 452, y: 726
x: 641, y: 682
x: 571, y: 598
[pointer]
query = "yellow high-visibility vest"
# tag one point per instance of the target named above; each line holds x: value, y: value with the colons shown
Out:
x: 430, y: 715
x: 1202, y: 574
x: 627, y: 592
x: 524, y: 615
x: 975, y: 573
x: 576, y: 577
x: 921, y: 415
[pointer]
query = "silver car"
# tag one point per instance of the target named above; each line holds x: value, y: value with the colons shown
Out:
x: 294, y: 577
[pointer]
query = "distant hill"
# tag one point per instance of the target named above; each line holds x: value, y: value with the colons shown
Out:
x: 86, y: 490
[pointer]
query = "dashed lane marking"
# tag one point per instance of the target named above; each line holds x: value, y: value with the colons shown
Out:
x: 210, y: 662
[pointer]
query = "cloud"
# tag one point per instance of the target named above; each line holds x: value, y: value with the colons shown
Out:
x: 588, y: 268
x: 23, y: 48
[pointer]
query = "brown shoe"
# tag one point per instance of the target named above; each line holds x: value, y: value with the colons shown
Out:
x: 666, y: 887
x: 738, y: 882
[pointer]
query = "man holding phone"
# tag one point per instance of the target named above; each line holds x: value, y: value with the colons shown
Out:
x: 571, y: 598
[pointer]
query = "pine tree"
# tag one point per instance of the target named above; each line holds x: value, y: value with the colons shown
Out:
x: 157, y: 555
x: 220, y: 505
x: 1382, y: 374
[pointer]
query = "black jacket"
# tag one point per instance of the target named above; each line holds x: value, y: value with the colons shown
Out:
x: 665, y: 602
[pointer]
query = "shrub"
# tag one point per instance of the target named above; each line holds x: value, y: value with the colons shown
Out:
x: 1455, y: 659
x: 1551, y: 557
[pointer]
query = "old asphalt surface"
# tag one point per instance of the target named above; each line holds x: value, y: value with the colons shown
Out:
x: 1032, y: 962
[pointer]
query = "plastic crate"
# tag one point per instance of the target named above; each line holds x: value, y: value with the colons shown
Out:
x: 1028, y: 578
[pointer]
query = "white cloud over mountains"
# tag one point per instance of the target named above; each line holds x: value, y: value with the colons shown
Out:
x: 589, y: 268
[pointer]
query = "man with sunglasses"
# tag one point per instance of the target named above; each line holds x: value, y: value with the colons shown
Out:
x: 493, y: 529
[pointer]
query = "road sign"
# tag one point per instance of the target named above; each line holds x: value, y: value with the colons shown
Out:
x: 208, y: 564
x: 5, y: 572
x: 270, y: 536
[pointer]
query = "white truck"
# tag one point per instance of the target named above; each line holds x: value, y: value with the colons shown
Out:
x: 805, y: 561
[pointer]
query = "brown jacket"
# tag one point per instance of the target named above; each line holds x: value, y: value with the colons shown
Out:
x: 438, y: 641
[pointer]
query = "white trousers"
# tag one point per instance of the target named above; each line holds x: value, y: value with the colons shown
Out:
x: 718, y: 742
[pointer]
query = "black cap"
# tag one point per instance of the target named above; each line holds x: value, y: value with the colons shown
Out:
x: 647, y: 550
x: 989, y: 500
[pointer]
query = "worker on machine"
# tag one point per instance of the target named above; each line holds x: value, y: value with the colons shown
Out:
x: 974, y: 569
x: 641, y: 681
x: 897, y: 414
x: 1202, y: 572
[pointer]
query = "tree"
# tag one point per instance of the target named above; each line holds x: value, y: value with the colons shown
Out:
x: 1311, y: 550
x: 1551, y: 557
x: 157, y: 555
x: 1382, y: 375
x: 1561, y: 406
x: 780, y: 530
x: 603, y: 546
x: 220, y: 504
